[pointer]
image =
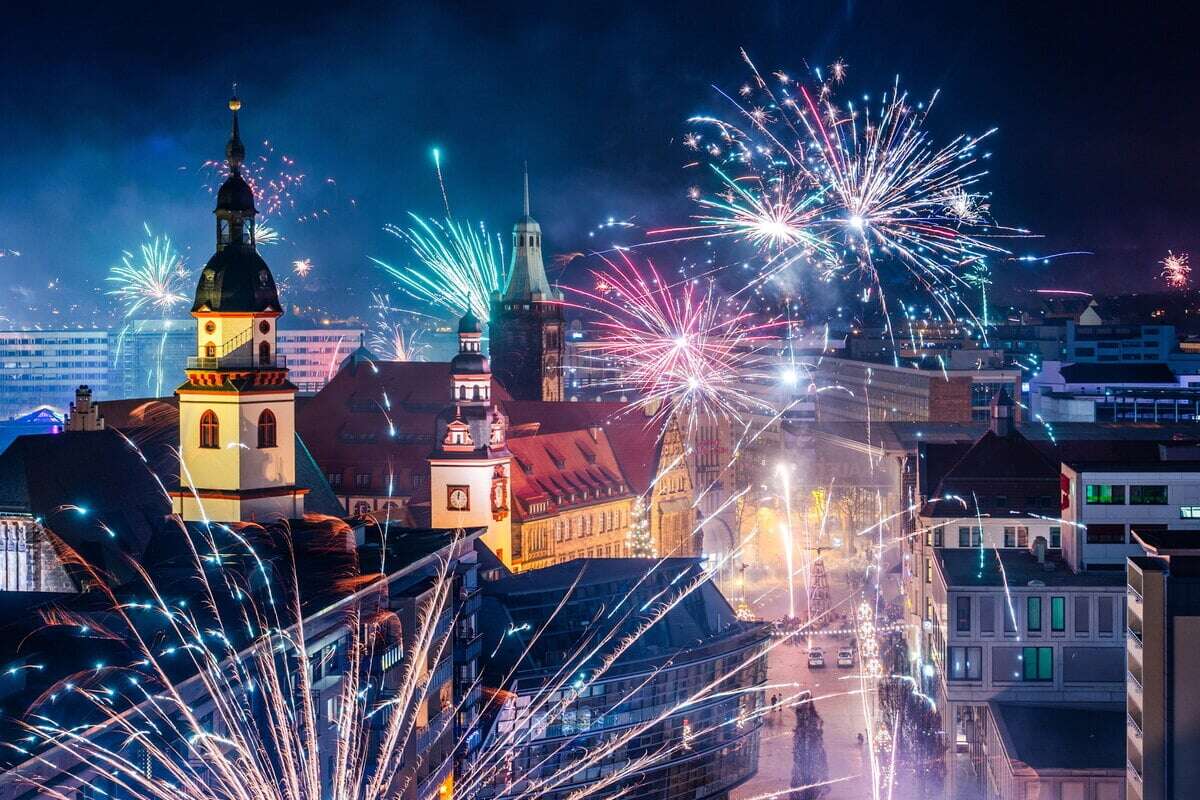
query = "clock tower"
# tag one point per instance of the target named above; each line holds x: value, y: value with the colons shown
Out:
x: 469, y: 468
x: 527, y: 327
x: 237, y: 429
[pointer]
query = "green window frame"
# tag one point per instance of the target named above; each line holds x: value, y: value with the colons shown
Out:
x: 1058, y: 614
x: 1033, y: 614
x: 1037, y: 663
x: 1105, y: 494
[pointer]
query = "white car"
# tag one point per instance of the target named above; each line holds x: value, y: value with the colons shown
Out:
x: 845, y: 658
x: 816, y: 657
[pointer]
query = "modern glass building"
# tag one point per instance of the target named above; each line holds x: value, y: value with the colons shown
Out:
x: 675, y: 715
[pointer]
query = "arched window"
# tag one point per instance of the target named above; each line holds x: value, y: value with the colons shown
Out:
x: 264, y: 353
x: 266, y: 429
x: 210, y: 430
x: 210, y: 350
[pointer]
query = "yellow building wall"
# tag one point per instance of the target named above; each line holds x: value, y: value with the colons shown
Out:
x: 600, y: 530
x: 477, y: 477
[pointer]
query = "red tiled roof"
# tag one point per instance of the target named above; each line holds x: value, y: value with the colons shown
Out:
x: 379, y: 419
x: 537, y: 475
x: 635, y: 439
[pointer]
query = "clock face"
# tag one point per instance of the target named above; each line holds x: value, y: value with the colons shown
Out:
x: 457, y: 498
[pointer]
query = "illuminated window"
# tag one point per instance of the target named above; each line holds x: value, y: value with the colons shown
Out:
x: 266, y: 429
x: 210, y: 430
x: 264, y: 353
x: 1104, y: 494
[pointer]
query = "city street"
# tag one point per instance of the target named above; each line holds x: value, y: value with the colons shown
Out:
x: 842, y: 714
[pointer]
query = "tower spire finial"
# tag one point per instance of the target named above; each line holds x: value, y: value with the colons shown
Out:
x: 527, y: 188
x: 235, y: 151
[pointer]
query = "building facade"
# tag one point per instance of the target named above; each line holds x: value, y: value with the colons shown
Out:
x: 1163, y: 699
x: 42, y: 368
x: 862, y: 390
x: 315, y: 354
x: 1104, y: 502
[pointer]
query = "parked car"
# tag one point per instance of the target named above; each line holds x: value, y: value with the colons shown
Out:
x: 845, y: 658
x: 816, y: 657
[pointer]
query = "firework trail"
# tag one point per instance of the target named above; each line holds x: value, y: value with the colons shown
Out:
x: 153, y: 279
x: 460, y: 265
x: 682, y: 350
x: 266, y: 235
x: 225, y: 702
x: 389, y: 338
x: 855, y: 193
x: 1176, y: 272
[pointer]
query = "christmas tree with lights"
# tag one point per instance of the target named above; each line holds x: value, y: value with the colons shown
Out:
x: 640, y: 541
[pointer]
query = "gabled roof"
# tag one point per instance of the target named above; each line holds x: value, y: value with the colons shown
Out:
x: 564, y: 469
x: 378, y: 416
x: 635, y: 439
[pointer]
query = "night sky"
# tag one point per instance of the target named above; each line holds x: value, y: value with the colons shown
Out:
x: 110, y: 112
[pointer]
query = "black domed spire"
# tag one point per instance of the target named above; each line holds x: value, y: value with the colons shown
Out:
x: 236, y: 279
x: 470, y: 323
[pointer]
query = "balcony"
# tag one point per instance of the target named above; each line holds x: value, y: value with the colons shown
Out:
x: 1135, y: 599
x: 1134, y: 685
x: 1133, y: 771
x: 236, y: 360
x: 1133, y: 726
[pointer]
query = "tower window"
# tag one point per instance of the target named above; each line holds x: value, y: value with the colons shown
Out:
x: 266, y: 429
x: 210, y: 430
x: 264, y: 353
x: 210, y: 350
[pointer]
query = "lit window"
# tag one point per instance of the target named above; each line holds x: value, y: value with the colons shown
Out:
x: 210, y: 430
x: 266, y: 429
x: 1104, y: 494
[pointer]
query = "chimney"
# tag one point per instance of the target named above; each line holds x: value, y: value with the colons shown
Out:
x: 1039, y: 549
x: 83, y: 415
x: 1002, y: 413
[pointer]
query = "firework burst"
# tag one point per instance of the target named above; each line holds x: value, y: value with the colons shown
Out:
x: 460, y: 265
x: 153, y: 279
x: 856, y: 192
x: 1176, y: 272
x: 678, y: 346
x: 389, y: 338
x: 302, y: 267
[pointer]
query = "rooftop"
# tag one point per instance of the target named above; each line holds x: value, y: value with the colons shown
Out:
x: 1063, y: 736
x: 977, y: 567
x: 1122, y: 372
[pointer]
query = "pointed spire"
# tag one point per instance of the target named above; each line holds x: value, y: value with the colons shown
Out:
x: 526, y: 188
x: 235, y: 151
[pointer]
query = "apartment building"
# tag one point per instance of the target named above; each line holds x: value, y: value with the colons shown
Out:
x: 1163, y: 695
x: 1015, y: 626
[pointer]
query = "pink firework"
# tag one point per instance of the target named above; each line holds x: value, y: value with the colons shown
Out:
x: 678, y: 347
x: 1176, y: 271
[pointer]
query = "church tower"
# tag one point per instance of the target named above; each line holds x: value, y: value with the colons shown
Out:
x: 527, y: 320
x: 470, y: 466
x: 237, y: 422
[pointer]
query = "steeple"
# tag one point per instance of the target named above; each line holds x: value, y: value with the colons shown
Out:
x: 527, y: 190
x: 236, y: 279
x: 527, y: 275
x: 235, y: 151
